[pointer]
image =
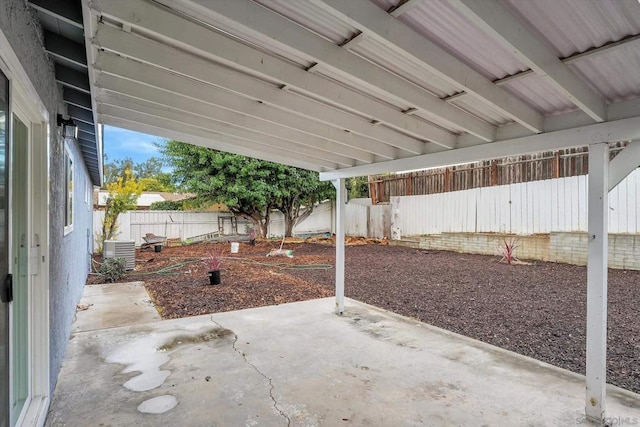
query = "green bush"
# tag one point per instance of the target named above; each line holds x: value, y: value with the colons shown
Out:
x: 167, y: 205
x: 113, y: 269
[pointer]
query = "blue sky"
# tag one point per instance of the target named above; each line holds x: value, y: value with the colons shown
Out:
x: 121, y: 143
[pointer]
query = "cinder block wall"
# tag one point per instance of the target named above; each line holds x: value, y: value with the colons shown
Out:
x: 529, y: 247
x: 570, y: 248
x: 624, y: 249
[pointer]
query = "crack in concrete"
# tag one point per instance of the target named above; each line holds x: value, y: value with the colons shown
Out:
x: 271, y: 386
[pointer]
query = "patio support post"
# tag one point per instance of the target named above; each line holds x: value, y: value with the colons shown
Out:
x: 598, y: 206
x: 341, y: 200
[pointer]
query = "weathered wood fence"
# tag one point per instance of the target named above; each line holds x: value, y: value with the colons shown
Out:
x: 508, y: 170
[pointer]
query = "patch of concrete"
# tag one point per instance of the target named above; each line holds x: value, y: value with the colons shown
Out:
x: 301, y: 365
x: 113, y: 305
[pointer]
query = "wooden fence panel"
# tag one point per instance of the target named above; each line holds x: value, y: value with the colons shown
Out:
x: 510, y: 170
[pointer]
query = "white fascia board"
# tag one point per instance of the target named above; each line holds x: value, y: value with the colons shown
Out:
x: 90, y: 21
x: 624, y: 163
x: 209, y: 140
x: 619, y: 130
x: 109, y: 102
x: 129, y: 91
x: 372, y: 20
x: 495, y: 20
x: 180, y: 32
x: 198, y: 97
x: 174, y: 61
x: 265, y: 24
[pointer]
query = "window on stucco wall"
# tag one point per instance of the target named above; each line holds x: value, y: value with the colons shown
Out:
x: 68, y: 190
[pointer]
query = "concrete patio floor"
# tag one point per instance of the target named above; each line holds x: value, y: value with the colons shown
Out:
x: 301, y: 365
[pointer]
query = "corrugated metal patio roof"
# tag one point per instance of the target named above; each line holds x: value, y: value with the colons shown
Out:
x: 368, y: 86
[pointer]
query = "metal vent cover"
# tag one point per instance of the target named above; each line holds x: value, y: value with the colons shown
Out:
x: 121, y: 249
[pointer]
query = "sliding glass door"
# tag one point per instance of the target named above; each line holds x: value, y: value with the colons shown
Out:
x: 20, y: 352
x: 5, y: 289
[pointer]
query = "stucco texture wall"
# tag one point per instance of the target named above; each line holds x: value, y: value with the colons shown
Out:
x: 68, y: 255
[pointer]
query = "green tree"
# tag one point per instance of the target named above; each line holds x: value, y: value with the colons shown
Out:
x: 358, y: 187
x: 167, y: 205
x: 298, y: 191
x: 150, y: 168
x: 149, y: 173
x: 151, y: 184
x: 250, y: 188
x: 115, y: 169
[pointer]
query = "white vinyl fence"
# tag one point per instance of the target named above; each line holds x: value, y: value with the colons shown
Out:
x: 526, y: 208
x: 320, y: 221
x: 133, y: 225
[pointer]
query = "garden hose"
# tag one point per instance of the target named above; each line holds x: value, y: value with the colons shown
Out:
x: 169, y: 270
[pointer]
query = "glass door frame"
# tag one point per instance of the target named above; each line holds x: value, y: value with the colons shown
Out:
x: 15, y: 164
x: 26, y: 104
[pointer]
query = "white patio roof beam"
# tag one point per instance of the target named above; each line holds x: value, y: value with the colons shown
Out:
x: 128, y: 106
x: 178, y: 31
x: 370, y: 19
x: 174, y: 85
x: 623, y: 164
x: 577, y: 57
x: 620, y: 130
x: 200, y: 108
x: 495, y: 20
x: 171, y: 130
x: 258, y: 145
x: 264, y: 23
x: 292, y: 104
x: 404, y: 7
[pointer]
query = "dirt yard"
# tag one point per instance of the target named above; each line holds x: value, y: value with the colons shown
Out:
x: 537, y: 310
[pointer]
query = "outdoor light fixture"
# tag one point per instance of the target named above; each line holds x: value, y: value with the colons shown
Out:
x: 69, y: 127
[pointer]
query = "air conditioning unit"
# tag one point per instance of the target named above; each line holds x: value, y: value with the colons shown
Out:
x: 121, y: 249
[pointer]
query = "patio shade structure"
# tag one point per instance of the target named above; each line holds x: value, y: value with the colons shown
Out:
x: 350, y: 88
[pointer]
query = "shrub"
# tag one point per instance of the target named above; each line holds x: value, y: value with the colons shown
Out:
x: 213, y: 260
x: 167, y: 205
x: 113, y: 269
x: 508, y: 249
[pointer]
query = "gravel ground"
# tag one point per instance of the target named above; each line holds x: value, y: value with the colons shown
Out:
x: 538, y: 310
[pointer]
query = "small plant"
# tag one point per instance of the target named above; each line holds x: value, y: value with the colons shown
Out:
x: 113, y: 269
x: 507, y: 250
x: 213, y: 260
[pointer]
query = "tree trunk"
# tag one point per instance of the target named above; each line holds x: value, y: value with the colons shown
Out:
x: 259, y: 225
x: 260, y: 221
x: 265, y: 224
x: 289, y: 223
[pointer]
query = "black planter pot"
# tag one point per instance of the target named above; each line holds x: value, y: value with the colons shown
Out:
x: 214, y: 277
x: 157, y: 248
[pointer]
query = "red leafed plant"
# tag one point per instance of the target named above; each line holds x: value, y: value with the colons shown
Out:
x: 213, y: 260
x: 507, y: 250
